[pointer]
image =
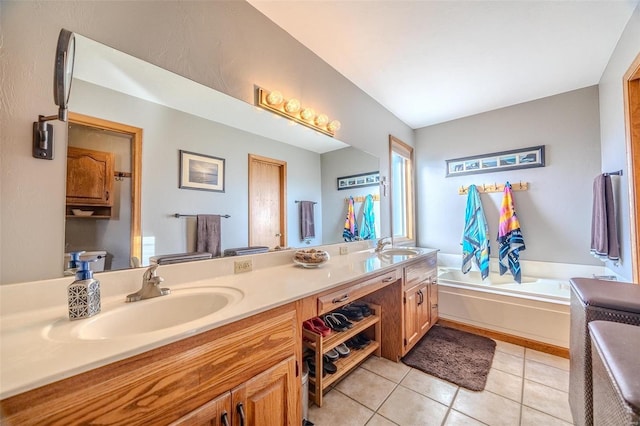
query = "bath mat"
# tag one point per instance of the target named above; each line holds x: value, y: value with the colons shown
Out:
x: 456, y: 356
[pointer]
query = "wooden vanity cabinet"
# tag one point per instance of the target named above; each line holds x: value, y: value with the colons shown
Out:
x: 89, y: 181
x: 420, y: 299
x: 253, y: 362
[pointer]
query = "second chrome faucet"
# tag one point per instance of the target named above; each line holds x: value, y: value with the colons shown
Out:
x: 150, y: 286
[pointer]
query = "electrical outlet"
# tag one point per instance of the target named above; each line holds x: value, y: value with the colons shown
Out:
x: 344, y: 250
x: 242, y: 266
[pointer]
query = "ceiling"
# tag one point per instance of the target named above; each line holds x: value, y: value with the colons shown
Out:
x: 433, y: 61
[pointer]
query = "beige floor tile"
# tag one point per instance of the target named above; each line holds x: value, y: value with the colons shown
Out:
x: 505, y: 384
x: 367, y: 388
x: 339, y: 409
x: 547, y: 375
x: 487, y: 407
x: 393, y: 371
x: 531, y: 417
x: 508, y: 363
x: 378, y: 420
x: 548, y: 359
x: 458, y: 419
x: 430, y: 386
x: 509, y: 348
x: 546, y: 399
x: 406, y: 407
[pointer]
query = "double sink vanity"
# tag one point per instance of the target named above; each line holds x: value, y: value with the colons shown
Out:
x: 222, y: 348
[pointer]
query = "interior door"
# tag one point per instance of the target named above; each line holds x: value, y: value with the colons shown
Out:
x: 632, y: 124
x: 267, y: 201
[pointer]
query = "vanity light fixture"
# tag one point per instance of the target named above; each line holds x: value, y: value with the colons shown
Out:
x: 275, y: 102
x: 62, y: 74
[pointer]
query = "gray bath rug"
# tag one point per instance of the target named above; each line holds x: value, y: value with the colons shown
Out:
x: 456, y: 356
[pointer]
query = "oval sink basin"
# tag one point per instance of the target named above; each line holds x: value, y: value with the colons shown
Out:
x: 400, y: 252
x: 150, y: 315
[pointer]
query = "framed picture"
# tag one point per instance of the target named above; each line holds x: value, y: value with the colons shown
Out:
x: 357, y: 181
x: 497, y: 161
x: 201, y: 172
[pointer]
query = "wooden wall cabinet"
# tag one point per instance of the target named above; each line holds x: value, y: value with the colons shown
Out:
x: 89, y: 181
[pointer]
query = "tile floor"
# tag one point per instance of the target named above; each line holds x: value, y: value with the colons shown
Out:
x: 524, y: 387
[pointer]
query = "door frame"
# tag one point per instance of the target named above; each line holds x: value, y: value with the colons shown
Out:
x: 631, y: 89
x: 136, y: 171
x: 283, y: 196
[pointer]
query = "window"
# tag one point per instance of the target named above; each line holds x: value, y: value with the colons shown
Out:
x: 402, y: 192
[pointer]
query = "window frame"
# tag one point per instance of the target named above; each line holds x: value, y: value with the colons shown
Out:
x: 401, y: 148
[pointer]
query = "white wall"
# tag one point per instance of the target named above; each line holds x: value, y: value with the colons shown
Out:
x: 555, y: 213
x: 226, y: 45
x: 612, y: 132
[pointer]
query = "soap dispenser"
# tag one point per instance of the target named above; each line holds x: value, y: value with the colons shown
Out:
x: 84, y: 293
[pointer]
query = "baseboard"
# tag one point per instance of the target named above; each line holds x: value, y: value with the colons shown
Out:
x: 510, y: 338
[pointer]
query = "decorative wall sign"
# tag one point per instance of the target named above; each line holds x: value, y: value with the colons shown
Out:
x: 357, y: 181
x: 523, y: 158
x: 202, y: 172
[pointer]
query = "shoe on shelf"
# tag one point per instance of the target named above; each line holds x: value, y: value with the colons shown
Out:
x: 344, y: 321
x: 311, y: 366
x: 353, y: 313
x: 333, y: 323
x: 343, y: 350
x: 362, y: 338
x: 317, y: 326
x: 328, y: 365
x: 355, y: 343
x: 332, y: 354
x: 364, y: 307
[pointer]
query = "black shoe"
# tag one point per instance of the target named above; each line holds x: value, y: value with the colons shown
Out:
x: 355, y: 343
x: 343, y: 320
x: 328, y: 366
x: 334, y: 323
x: 366, y: 310
x: 311, y: 366
x: 352, y: 313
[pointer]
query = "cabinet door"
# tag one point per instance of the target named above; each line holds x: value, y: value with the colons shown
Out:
x: 411, y: 327
x: 269, y: 399
x: 433, y: 300
x: 216, y: 412
x: 424, y: 308
x: 89, y: 177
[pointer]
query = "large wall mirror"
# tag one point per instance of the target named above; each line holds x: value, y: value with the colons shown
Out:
x: 175, y: 114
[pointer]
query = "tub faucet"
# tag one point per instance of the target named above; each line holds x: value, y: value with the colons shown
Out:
x: 381, y: 244
x: 605, y: 277
x: 150, y: 286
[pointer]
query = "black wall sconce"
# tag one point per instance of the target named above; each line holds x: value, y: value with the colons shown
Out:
x: 62, y: 74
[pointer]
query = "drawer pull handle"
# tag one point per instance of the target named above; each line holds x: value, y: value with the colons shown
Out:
x: 240, y: 409
x: 224, y: 419
x: 340, y: 300
x: 387, y: 280
x: 434, y: 306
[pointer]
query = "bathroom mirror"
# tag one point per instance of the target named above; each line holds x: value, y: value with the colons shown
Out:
x: 176, y: 114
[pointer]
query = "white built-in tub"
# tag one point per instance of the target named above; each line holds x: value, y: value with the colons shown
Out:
x: 536, y: 309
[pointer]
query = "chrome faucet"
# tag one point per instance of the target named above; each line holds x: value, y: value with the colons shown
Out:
x: 150, y: 286
x: 381, y: 244
x: 605, y: 277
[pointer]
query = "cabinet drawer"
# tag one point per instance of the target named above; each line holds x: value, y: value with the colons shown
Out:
x: 339, y: 298
x: 420, y: 271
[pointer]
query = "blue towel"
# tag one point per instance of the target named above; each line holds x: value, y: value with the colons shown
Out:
x: 475, y: 238
x: 510, y: 239
x: 368, y: 228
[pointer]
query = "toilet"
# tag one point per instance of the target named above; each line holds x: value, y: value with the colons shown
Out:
x: 97, y: 266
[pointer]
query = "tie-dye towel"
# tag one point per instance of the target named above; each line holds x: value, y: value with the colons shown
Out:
x: 475, y: 238
x: 510, y: 237
x: 350, y: 232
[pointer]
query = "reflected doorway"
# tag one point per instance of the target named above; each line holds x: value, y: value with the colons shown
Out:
x: 104, y: 158
x: 267, y: 198
x: 631, y: 83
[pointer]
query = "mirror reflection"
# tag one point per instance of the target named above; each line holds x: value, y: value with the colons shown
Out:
x: 269, y: 165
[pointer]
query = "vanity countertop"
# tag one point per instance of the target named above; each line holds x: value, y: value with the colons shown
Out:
x: 37, y: 349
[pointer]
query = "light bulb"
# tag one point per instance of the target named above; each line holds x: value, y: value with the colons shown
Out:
x: 275, y: 98
x: 322, y: 120
x: 292, y: 106
x: 307, y: 113
x: 334, y: 126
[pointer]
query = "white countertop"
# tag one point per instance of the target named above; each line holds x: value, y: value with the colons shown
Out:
x: 33, y: 353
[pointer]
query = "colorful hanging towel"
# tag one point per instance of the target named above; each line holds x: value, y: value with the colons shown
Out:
x: 368, y: 228
x: 350, y: 232
x: 475, y: 237
x: 604, y: 230
x: 510, y: 239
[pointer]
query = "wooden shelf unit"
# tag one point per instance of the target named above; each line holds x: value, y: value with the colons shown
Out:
x: 320, y: 345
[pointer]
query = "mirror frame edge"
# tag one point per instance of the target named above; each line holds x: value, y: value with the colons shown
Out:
x: 136, y: 171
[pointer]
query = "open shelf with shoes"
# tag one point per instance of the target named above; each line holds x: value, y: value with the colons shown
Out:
x: 319, y: 345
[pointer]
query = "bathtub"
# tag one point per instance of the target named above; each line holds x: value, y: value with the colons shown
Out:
x: 537, y: 309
